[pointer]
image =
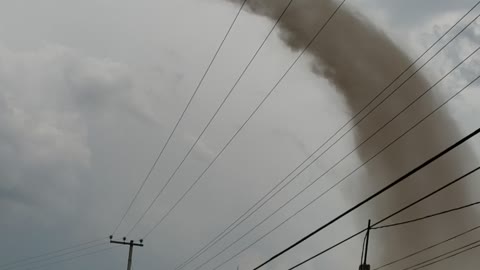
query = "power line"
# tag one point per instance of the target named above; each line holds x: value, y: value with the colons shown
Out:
x: 428, y: 216
x: 290, y: 217
x: 205, y: 129
x: 387, y: 187
x: 242, y: 126
x: 446, y: 258
x: 340, y: 181
x: 50, y: 252
x: 252, y: 114
x: 367, y: 139
x: 73, y: 258
x: 380, y: 152
x: 432, y: 260
x: 246, y: 214
x: 449, y: 184
x: 181, y: 117
x: 47, y: 258
x: 427, y: 248
x: 351, y: 173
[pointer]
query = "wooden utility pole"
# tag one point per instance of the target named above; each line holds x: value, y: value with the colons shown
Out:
x: 131, y: 244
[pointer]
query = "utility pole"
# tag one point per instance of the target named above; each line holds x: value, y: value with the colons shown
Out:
x: 131, y: 244
x: 364, y: 265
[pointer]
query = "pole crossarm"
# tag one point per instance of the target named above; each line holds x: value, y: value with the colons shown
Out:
x: 126, y: 243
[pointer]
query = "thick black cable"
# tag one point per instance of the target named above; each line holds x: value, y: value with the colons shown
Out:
x: 39, y: 260
x: 427, y: 248
x: 352, y: 172
x: 382, y: 220
x: 392, y: 215
x: 251, y: 115
x: 19, y: 261
x: 386, y: 188
x: 428, y: 216
x: 246, y: 214
x: 355, y: 149
x: 72, y: 258
x: 207, y: 126
x: 181, y: 116
x: 429, y: 262
x: 387, y: 96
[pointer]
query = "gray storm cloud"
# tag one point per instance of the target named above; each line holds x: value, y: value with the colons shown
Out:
x: 359, y: 60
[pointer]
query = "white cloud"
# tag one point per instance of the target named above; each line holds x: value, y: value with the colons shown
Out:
x: 50, y: 99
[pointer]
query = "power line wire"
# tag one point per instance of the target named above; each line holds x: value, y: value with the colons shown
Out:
x: 428, y: 216
x: 337, y: 183
x: 360, y: 232
x: 412, y: 74
x: 246, y: 214
x: 341, y: 160
x: 205, y: 129
x: 449, y: 184
x: 238, y: 130
x: 397, y: 181
x: 181, y: 116
x: 432, y: 261
x: 387, y: 187
x: 446, y: 258
x: 52, y: 257
x: 73, y: 258
x: 50, y: 252
x: 254, y: 112
x: 427, y: 248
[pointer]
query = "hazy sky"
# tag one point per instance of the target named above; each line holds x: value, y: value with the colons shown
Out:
x: 90, y: 90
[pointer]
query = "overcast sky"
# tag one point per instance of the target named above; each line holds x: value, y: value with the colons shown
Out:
x: 90, y: 91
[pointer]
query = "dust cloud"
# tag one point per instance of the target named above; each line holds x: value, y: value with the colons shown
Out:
x: 360, y: 60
